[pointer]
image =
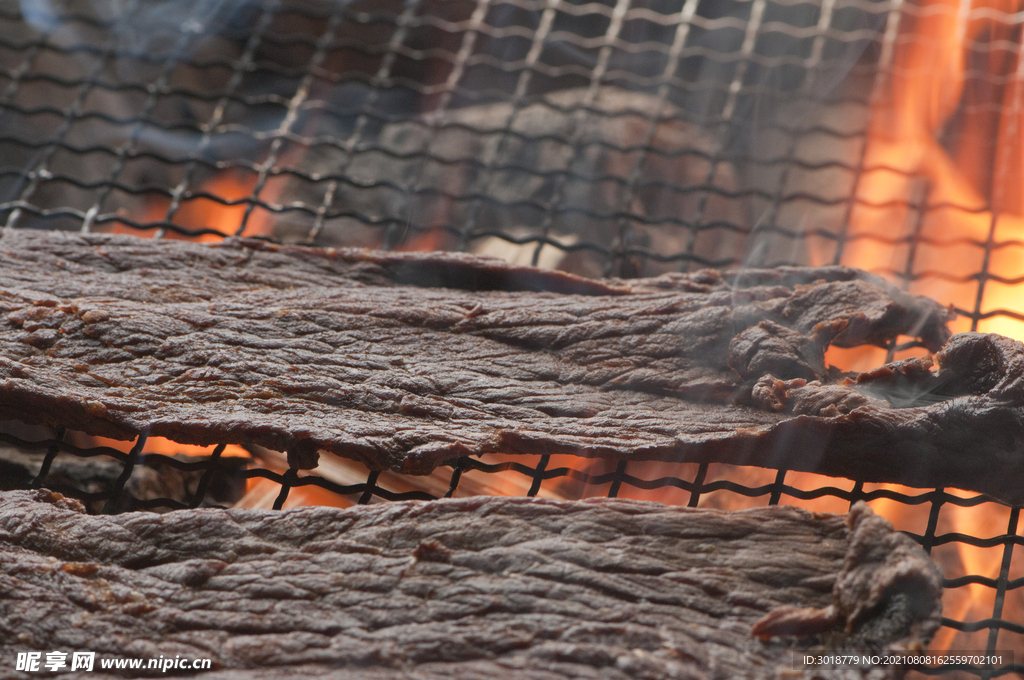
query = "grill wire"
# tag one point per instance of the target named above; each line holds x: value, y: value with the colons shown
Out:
x: 614, y: 137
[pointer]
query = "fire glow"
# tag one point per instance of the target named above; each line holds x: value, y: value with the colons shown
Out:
x: 944, y: 156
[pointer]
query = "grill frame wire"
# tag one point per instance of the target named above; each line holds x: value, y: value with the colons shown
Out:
x: 288, y: 132
x: 94, y: 217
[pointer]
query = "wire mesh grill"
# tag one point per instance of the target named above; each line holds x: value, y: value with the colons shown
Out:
x: 619, y: 137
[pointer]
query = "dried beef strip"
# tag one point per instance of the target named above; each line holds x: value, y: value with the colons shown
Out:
x: 302, y: 349
x: 465, y: 588
x: 959, y: 422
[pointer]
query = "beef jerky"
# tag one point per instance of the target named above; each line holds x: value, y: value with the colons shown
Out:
x: 472, y: 588
x: 408, y: 361
x: 960, y: 425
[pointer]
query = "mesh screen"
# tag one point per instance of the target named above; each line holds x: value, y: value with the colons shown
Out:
x: 606, y: 138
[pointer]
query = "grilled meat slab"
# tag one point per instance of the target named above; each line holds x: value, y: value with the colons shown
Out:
x: 407, y: 361
x: 466, y: 588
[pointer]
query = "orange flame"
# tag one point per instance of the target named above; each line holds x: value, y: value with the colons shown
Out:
x: 220, y: 203
x: 945, y: 156
x: 965, y: 197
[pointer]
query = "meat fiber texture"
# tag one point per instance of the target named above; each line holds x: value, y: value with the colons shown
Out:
x: 408, y: 361
x: 484, y: 587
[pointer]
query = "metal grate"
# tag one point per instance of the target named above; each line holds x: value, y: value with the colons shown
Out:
x: 623, y: 137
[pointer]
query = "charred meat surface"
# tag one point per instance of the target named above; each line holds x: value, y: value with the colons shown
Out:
x: 961, y: 425
x: 406, y: 361
x: 478, y: 587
